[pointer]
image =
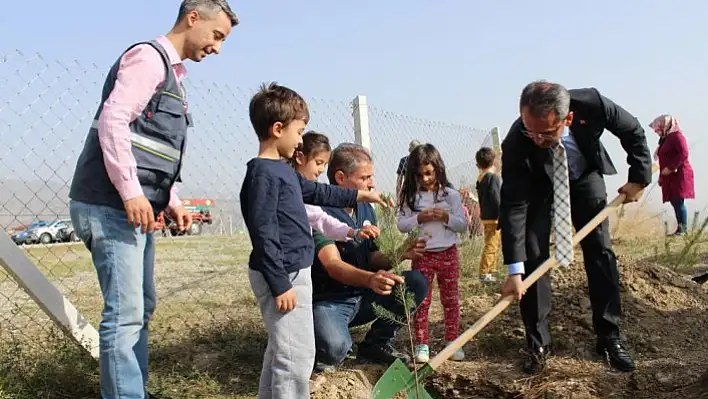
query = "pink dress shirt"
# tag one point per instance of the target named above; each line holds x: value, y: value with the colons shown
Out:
x: 329, y: 226
x: 140, y: 72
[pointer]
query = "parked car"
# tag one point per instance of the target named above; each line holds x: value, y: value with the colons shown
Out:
x: 25, y: 236
x: 42, y: 232
x: 67, y: 234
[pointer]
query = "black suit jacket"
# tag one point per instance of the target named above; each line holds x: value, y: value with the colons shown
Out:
x: 527, y: 169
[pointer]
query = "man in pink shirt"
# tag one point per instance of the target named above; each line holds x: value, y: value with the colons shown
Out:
x: 125, y: 175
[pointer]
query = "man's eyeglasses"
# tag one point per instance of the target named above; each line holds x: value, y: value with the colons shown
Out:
x: 548, y: 135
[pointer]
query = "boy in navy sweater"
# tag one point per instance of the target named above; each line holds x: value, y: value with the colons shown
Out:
x: 273, y: 198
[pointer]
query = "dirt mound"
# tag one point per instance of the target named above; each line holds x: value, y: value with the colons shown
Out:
x: 665, y: 323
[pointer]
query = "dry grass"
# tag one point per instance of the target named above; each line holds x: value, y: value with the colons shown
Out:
x: 208, y: 338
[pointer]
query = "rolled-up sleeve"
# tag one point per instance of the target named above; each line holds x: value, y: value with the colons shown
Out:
x: 140, y: 72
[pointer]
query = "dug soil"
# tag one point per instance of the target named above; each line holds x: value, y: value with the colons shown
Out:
x: 665, y: 325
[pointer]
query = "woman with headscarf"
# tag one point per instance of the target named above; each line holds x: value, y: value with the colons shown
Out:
x: 676, y: 173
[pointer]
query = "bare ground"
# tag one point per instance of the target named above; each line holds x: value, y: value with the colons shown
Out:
x: 208, y: 339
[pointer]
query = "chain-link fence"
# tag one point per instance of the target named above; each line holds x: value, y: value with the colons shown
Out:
x: 205, y: 309
x: 391, y: 134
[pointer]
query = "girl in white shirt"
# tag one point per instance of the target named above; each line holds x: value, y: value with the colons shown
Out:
x: 429, y: 202
x: 310, y: 160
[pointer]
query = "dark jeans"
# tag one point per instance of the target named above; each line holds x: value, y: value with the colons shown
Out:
x: 333, y: 318
x: 681, y: 213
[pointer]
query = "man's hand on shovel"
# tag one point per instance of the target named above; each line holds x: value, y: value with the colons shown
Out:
x: 631, y: 191
x: 513, y: 286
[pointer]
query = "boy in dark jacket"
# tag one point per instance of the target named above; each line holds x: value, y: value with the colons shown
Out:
x: 488, y: 192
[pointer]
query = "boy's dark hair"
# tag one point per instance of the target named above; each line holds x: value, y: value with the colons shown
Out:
x: 274, y: 103
x: 424, y: 154
x: 312, y: 143
x: 485, y: 157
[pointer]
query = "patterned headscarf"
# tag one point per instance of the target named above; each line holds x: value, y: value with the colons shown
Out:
x: 665, y: 124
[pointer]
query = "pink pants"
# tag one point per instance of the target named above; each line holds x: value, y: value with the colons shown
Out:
x: 446, y: 265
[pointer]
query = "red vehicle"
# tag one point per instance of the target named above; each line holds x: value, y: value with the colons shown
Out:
x: 201, y: 215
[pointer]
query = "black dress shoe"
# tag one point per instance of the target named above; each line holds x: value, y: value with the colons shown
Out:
x: 535, y: 359
x: 702, y: 279
x: 614, y: 351
x: 384, y: 354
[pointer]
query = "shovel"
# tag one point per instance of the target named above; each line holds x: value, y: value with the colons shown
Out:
x: 399, y: 378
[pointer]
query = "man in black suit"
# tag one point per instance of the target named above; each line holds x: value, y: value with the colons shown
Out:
x: 550, y: 114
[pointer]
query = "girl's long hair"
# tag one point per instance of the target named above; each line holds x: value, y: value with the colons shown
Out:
x: 312, y: 143
x: 424, y: 154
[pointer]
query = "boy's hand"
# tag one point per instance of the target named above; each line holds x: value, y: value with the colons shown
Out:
x: 374, y: 198
x: 512, y: 286
x: 367, y: 232
x: 286, y: 301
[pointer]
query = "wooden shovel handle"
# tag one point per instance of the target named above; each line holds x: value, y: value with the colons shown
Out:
x: 528, y: 281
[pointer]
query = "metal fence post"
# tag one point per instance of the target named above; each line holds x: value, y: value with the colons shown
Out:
x: 361, y: 121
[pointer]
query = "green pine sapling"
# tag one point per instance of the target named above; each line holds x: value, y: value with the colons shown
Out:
x: 393, y: 245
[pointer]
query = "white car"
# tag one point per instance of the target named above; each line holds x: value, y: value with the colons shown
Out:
x: 46, y: 233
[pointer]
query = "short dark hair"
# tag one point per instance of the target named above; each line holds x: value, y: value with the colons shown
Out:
x: 485, y: 157
x: 543, y: 98
x: 346, y: 157
x: 274, y: 103
x: 209, y: 8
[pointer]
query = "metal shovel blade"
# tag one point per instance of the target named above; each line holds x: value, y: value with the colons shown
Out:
x: 398, y: 378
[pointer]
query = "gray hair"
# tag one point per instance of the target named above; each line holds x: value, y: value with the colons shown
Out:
x: 543, y: 98
x: 207, y: 8
x: 346, y: 157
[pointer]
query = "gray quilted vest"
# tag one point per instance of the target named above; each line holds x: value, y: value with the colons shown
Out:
x: 158, y: 138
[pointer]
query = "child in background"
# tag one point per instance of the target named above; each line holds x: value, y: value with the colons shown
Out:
x: 310, y: 160
x: 272, y: 203
x: 489, y: 194
x: 465, y: 195
x: 429, y: 202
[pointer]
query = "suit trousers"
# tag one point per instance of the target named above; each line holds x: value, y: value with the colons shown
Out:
x: 588, y: 196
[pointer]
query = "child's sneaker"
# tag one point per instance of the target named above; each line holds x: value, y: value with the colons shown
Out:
x: 487, y: 278
x: 422, y: 354
x: 458, y: 355
x: 324, y: 368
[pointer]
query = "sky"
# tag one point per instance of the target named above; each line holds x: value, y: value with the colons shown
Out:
x: 462, y: 62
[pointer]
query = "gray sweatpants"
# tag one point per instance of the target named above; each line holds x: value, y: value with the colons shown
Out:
x: 290, y: 354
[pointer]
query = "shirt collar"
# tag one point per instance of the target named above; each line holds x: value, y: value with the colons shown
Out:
x: 172, y: 54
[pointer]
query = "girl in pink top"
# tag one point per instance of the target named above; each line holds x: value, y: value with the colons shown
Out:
x: 310, y: 161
